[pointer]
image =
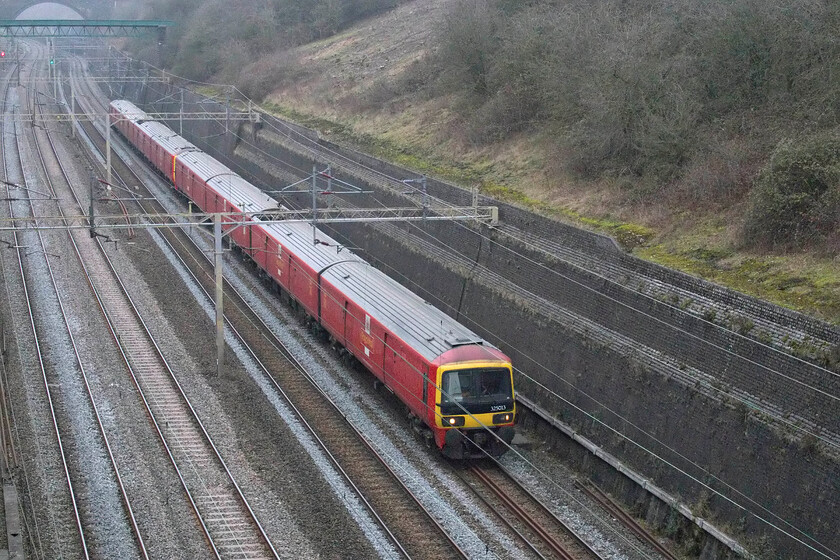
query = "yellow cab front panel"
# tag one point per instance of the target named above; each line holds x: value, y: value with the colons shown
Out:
x: 475, y: 401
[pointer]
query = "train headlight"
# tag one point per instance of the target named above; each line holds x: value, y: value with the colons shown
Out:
x: 453, y: 421
x: 504, y: 418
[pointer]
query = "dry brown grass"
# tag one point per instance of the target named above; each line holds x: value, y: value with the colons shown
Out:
x: 701, y: 209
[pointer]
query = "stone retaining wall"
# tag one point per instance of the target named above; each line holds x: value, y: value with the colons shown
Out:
x: 586, y: 344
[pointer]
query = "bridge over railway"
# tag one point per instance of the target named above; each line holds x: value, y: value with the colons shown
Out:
x: 11, y: 9
x: 82, y: 28
x: 51, y: 19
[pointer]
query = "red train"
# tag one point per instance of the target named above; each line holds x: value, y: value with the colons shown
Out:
x: 458, y: 388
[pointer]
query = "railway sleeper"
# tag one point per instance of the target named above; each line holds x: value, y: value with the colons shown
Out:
x: 477, y: 444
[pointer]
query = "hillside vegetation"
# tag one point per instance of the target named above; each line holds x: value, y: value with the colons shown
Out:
x: 708, y: 128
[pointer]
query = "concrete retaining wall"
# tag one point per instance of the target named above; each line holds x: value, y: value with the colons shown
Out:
x: 576, y: 340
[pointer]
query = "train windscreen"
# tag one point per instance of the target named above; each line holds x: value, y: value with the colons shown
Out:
x: 478, y: 390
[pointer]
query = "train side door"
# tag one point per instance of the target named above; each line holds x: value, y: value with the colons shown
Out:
x: 389, y: 359
x: 344, y: 322
x: 268, y: 260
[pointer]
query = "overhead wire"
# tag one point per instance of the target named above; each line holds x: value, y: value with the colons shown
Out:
x: 602, y: 405
x: 596, y: 515
x: 705, y: 471
x: 593, y: 417
x: 752, y: 404
x: 302, y: 172
x: 792, y: 425
x: 693, y: 463
x: 648, y: 315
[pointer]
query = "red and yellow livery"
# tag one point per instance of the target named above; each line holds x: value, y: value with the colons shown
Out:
x: 458, y: 388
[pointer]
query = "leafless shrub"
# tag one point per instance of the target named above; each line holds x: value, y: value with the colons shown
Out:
x: 415, y: 82
x: 796, y: 198
x: 260, y: 78
x: 717, y: 177
x: 251, y: 27
x: 468, y: 41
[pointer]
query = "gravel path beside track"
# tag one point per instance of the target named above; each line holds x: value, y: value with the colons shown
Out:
x: 305, y: 507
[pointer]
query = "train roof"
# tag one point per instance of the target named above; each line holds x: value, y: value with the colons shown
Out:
x: 167, y: 138
x: 158, y: 131
x: 434, y: 334
x: 426, y: 328
x: 423, y: 326
x: 228, y: 183
x: 130, y: 111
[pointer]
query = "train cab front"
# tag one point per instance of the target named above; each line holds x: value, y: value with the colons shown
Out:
x: 475, y: 409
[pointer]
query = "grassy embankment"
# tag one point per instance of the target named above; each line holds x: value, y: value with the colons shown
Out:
x: 652, y: 126
x: 803, y: 282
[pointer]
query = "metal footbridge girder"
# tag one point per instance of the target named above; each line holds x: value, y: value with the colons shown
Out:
x: 29, y: 28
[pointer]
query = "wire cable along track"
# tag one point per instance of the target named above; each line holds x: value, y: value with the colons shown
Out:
x: 45, y: 311
x: 411, y: 527
x: 543, y: 532
x: 223, y: 513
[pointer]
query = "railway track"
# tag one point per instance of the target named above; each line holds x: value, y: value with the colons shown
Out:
x: 10, y: 460
x: 414, y: 531
x: 38, y: 283
x: 548, y: 548
x: 44, y: 304
x: 224, y: 514
x: 545, y: 534
x: 663, y: 309
x: 673, y: 365
x: 301, y: 397
x: 59, y: 186
x: 617, y: 512
x: 227, y: 520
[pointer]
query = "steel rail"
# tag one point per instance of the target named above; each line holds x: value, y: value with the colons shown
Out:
x: 212, y: 533
x: 506, y: 521
x: 32, y: 534
x: 77, y: 251
x: 625, y: 518
x: 289, y: 355
x: 43, y: 368
x: 9, y: 451
x: 149, y: 410
x: 556, y: 546
x: 582, y: 543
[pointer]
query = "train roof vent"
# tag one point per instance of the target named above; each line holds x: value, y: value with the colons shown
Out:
x: 454, y: 341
